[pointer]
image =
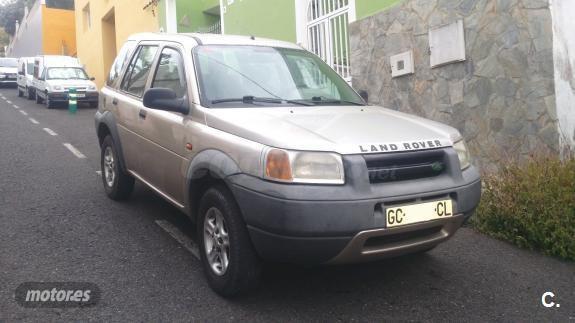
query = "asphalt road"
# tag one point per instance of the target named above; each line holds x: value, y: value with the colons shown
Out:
x: 56, y: 224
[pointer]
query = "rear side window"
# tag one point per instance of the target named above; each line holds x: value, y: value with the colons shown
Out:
x: 170, y: 73
x: 137, y: 73
x: 120, y: 61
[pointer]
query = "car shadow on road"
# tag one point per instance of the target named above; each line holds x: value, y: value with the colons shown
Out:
x: 286, y: 283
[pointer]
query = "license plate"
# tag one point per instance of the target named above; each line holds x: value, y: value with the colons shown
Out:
x: 415, y: 213
x: 80, y: 95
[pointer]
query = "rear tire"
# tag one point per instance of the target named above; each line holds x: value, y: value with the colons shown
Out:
x: 234, y: 267
x: 117, y: 183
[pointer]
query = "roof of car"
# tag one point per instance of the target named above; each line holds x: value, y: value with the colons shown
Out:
x: 214, y: 39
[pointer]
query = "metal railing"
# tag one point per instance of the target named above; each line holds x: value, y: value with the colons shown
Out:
x: 328, y: 33
x: 213, y: 29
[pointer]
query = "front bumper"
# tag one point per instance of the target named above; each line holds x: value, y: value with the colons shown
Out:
x: 314, y: 224
x: 62, y: 97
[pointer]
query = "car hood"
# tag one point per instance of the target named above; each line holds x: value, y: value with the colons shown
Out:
x: 8, y: 70
x: 342, y: 129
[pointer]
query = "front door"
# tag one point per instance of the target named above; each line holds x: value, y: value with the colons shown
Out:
x: 163, y: 161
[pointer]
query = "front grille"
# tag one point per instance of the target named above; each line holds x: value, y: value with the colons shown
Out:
x: 378, y: 242
x: 383, y: 168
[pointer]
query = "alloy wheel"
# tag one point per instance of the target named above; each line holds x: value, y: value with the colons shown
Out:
x: 109, y: 166
x: 216, y: 241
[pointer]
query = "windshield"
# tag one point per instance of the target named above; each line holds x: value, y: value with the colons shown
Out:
x: 66, y: 73
x: 8, y: 62
x: 289, y: 76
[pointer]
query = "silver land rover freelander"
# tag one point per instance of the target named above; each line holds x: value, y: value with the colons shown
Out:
x: 275, y: 157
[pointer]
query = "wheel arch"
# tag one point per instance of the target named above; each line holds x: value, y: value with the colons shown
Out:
x: 208, y: 168
x: 106, y: 125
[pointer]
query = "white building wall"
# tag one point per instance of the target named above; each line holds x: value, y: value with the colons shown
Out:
x: 27, y: 40
x: 563, y: 12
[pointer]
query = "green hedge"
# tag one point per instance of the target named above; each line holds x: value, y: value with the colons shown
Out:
x: 532, y: 205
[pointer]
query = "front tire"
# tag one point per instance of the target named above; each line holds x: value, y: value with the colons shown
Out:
x: 49, y: 105
x: 230, y: 262
x: 117, y: 184
x: 30, y: 94
x: 20, y: 93
x: 38, y: 98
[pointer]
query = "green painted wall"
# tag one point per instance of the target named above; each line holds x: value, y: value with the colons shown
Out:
x: 161, y: 14
x: 264, y: 18
x: 191, y: 14
x: 365, y: 8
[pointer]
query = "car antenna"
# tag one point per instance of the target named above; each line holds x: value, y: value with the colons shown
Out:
x: 252, y: 37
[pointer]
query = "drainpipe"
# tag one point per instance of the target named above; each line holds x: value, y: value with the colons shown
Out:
x: 222, y: 17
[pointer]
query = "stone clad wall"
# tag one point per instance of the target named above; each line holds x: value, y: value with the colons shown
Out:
x: 563, y: 13
x: 501, y: 98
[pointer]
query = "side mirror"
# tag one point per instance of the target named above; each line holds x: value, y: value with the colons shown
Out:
x: 364, y: 95
x: 166, y: 100
x: 92, y: 79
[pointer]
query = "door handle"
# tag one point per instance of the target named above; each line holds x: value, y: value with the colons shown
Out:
x: 142, y: 114
x: 115, y: 101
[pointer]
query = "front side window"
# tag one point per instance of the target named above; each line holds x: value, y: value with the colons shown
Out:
x: 120, y: 61
x: 170, y: 73
x: 288, y: 75
x: 137, y: 74
x: 66, y: 73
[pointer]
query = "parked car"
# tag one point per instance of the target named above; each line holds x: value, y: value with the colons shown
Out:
x: 8, y: 71
x: 275, y: 157
x: 25, y: 77
x: 54, y: 76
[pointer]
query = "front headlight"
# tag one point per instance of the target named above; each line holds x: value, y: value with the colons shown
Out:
x: 462, y: 154
x: 303, y: 167
x: 92, y: 88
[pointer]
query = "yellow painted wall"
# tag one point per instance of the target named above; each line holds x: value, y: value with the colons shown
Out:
x: 120, y: 17
x: 58, y: 29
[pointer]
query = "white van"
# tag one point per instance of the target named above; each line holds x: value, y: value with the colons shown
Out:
x: 25, y: 77
x: 54, y: 76
x: 8, y: 71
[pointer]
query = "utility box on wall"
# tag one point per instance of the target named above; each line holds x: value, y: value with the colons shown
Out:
x: 402, y: 64
x: 447, y: 44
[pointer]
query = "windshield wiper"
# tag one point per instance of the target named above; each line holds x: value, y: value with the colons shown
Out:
x: 249, y: 99
x: 321, y: 99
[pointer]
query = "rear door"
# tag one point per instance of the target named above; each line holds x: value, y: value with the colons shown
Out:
x: 127, y: 103
x: 21, y: 73
x: 164, y: 132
